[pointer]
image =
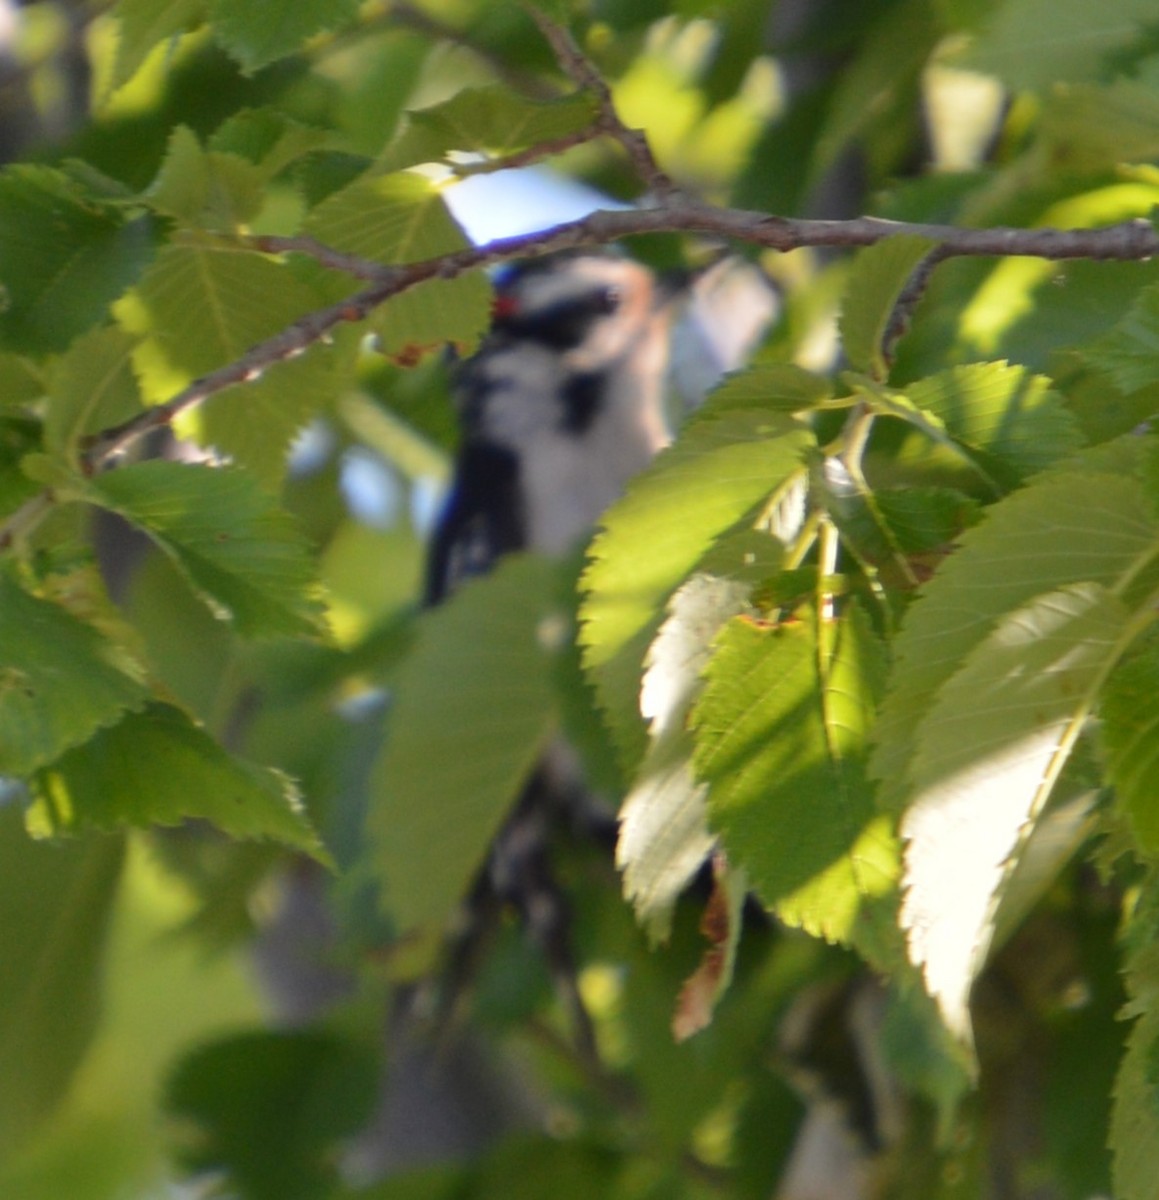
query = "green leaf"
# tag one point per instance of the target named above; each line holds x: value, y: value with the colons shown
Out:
x: 1135, y: 1116
x: 492, y: 120
x: 923, y: 519
x: 202, y: 305
x: 1002, y: 412
x: 1032, y: 44
x: 664, y: 836
x: 157, y: 768
x: 473, y: 712
x: 268, y: 139
x: 64, y: 258
x: 781, y: 738
x: 1065, y: 527
x: 92, y: 387
x: 60, y: 680
x: 257, y: 32
x: 245, y: 557
x: 21, y: 381
x: 145, y: 23
x: 402, y: 218
x: 271, y: 1109
x: 1130, y: 352
x: 877, y: 281
x: 1089, y: 128
x: 212, y: 190
x: 19, y: 442
x: 907, y: 521
x: 718, y: 470
x: 988, y: 754
x: 55, y: 903
x: 1130, y: 733
x: 781, y: 387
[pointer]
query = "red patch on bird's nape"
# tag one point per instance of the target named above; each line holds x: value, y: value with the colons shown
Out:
x: 504, y: 307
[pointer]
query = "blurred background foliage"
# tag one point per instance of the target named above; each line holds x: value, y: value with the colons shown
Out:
x: 146, y: 1049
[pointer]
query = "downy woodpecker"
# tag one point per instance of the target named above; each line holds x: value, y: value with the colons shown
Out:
x: 560, y: 407
x: 562, y: 404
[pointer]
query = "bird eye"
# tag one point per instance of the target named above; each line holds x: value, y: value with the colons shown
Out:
x: 608, y: 299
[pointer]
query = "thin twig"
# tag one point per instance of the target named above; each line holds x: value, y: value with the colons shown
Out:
x: 532, y: 154
x: 336, y: 260
x: 907, y: 301
x: 582, y: 72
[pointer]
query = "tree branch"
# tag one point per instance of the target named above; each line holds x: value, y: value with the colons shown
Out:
x: 1129, y: 240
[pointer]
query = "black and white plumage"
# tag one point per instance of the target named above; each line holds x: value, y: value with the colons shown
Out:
x: 560, y: 407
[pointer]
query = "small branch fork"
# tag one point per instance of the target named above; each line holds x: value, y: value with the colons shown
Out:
x: 673, y: 213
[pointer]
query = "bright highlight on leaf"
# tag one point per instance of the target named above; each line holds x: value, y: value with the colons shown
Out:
x: 202, y: 305
x: 989, y: 753
x: 664, y: 835
x: 1064, y: 528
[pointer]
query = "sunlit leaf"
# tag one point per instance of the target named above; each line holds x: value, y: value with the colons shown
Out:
x: 403, y: 218
x: 781, y: 387
x: 142, y: 24
x: 21, y: 381
x: 202, y: 305
x: 1065, y: 527
x: 664, y: 836
x: 268, y: 139
x: 1089, y: 127
x: 988, y: 755
x: 213, y: 190
x: 781, y: 732
x: 1004, y: 412
x: 719, y: 469
x: 1130, y: 352
x: 156, y: 767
